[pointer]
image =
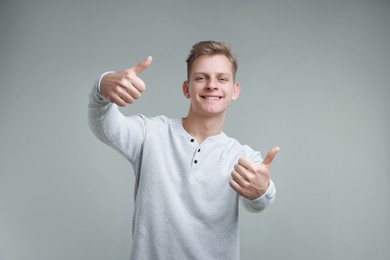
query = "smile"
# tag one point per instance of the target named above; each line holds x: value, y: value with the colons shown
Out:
x: 212, y: 97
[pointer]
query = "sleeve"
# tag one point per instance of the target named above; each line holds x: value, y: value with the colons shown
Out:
x: 268, y: 197
x: 262, y: 202
x: 124, y: 134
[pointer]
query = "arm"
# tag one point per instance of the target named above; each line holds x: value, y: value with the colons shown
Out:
x: 124, y: 87
x: 252, y: 182
x: 106, y: 121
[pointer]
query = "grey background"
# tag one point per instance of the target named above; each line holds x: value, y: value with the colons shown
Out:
x: 315, y: 78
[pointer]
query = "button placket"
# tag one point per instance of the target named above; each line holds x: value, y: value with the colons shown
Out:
x: 194, y: 159
x: 196, y: 155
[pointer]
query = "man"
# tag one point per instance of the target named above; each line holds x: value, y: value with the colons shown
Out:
x: 189, y: 173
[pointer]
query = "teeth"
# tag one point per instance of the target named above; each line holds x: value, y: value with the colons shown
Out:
x: 212, y: 98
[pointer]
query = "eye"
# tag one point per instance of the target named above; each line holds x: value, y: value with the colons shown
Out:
x: 223, y: 79
x: 200, y: 78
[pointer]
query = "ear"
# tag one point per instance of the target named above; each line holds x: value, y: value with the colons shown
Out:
x: 236, y: 91
x: 185, y: 89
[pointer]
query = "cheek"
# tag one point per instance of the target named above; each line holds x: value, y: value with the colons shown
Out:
x: 190, y: 93
x: 193, y: 89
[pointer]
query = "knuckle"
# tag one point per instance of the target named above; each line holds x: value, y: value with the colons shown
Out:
x: 141, y: 87
x: 245, y: 186
x: 117, y: 89
x: 258, y: 170
x: 128, y: 74
x: 252, y: 168
x: 136, y: 95
x: 262, y: 172
x: 126, y: 99
x: 130, y: 99
x: 111, y: 96
x: 119, y: 102
x: 123, y: 81
x: 251, y: 177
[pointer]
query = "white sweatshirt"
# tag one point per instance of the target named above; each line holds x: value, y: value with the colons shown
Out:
x: 184, y: 207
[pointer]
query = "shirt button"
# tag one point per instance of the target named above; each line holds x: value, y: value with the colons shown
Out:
x: 192, y: 140
x: 196, y: 161
x: 198, y: 150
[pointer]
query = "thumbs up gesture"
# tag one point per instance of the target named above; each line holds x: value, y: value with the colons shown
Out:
x: 251, y: 180
x: 124, y: 87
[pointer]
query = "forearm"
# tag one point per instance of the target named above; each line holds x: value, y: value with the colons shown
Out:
x: 101, y: 113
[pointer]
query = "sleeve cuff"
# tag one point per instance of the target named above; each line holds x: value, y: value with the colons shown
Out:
x: 100, y: 80
x: 263, y: 201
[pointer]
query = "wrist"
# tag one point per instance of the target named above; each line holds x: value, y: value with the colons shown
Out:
x: 100, y: 80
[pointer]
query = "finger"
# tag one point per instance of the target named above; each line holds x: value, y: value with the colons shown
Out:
x: 240, y: 169
x: 246, y: 163
x: 131, y: 84
x: 142, y: 65
x: 127, y: 97
x: 132, y: 91
x: 138, y: 84
x: 238, y: 178
x: 235, y: 186
x: 270, y: 156
x: 117, y: 100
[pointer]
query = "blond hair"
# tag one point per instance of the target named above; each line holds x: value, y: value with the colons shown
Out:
x: 210, y: 48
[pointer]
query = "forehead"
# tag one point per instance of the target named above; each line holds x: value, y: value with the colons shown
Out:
x: 212, y: 64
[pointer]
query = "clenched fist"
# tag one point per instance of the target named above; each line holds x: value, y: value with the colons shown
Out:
x: 251, y: 180
x: 124, y: 87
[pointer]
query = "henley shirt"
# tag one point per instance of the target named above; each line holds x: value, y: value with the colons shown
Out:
x: 184, y: 207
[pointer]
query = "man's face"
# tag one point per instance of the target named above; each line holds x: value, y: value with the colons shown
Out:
x: 211, y: 85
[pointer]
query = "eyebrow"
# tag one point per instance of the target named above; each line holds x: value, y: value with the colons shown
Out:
x: 218, y: 74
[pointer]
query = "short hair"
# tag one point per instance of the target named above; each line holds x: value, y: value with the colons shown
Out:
x: 211, y: 48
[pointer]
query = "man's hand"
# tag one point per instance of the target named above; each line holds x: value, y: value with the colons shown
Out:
x: 124, y: 87
x: 251, y: 180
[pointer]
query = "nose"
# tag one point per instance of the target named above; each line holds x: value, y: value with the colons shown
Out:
x: 211, y: 85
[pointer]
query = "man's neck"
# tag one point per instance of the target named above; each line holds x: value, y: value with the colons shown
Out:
x: 203, y: 127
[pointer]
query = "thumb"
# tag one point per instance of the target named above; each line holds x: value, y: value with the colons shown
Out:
x: 270, y: 156
x: 142, y: 65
